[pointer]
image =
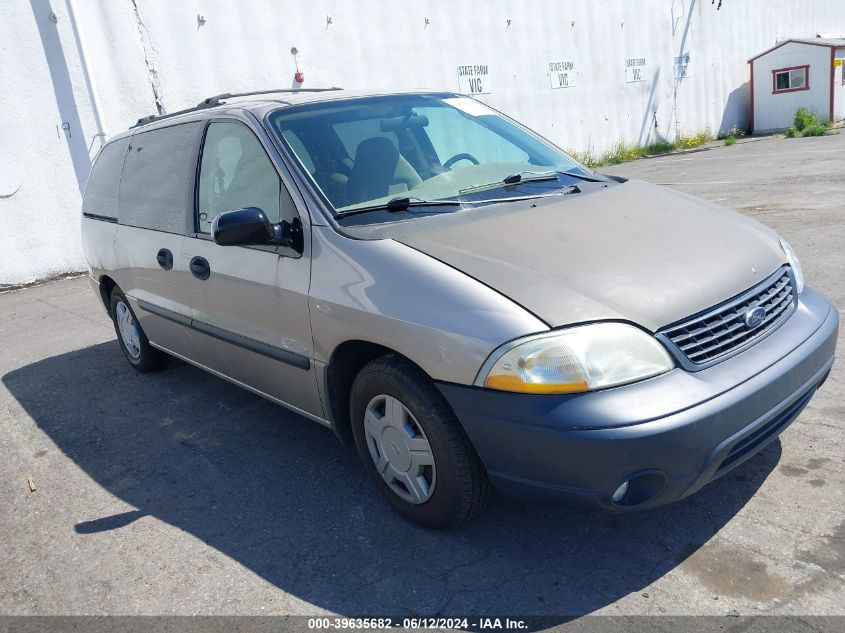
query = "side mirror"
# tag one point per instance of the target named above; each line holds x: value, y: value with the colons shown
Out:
x: 250, y: 227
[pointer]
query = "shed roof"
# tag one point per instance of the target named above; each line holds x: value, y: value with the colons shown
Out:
x: 829, y: 42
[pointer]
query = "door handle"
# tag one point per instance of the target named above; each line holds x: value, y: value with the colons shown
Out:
x: 200, y: 268
x: 165, y: 259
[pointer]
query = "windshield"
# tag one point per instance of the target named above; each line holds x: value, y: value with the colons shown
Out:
x: 362, y: 153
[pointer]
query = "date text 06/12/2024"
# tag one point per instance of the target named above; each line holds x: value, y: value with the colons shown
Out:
x: 489, y: 623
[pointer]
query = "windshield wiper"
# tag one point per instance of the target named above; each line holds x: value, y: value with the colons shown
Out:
x: 581, y: 176
x: 533, y: 196
x: 514, y: 179
x: 400, y: 204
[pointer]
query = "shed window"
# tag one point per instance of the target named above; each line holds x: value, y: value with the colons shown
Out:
x: 790, y: 79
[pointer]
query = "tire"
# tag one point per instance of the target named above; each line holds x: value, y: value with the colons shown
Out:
x: 455, y: 487
x: 137, y: 349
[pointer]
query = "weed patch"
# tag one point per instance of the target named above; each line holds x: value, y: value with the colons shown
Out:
x: 622, y: 152
x: 806, y: 123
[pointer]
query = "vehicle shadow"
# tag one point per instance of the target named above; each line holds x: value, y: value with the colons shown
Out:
x: 282, y: 497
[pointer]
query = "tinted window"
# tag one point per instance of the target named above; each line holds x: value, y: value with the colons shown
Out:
x: 156, y: 178
x: 236, y: 172
x: 101, y: 190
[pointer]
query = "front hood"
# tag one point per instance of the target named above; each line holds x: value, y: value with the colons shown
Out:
x: 633, y: 251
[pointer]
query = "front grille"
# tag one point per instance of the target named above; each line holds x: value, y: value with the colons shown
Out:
x: 722, y: 329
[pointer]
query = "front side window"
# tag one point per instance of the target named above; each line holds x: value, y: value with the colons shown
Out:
x: 365, y: 152
x: 236, y: 172
x: 790, y: 79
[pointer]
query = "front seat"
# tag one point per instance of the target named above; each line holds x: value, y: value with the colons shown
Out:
x: 375, y: 163
x: 254, y: 184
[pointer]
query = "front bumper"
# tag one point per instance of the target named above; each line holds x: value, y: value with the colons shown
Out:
x: 668, y: 435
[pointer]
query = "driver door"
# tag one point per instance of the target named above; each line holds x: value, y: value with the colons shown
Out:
x: 249, y: 304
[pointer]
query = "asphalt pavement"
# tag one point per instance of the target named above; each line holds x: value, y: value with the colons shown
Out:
x: 179, y: 493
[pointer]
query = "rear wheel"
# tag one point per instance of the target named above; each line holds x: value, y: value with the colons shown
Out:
x: 134, y: 343
x: 413, y: 447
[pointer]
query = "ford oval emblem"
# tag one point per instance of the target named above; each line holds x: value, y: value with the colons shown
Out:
x: 754, y: 317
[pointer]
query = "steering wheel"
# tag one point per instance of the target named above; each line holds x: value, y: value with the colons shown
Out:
x: 458, y: 157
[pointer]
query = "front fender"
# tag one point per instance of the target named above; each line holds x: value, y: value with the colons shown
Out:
x: 387, y: 293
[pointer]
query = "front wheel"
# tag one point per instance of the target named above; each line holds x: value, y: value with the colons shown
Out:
x: 134, y: 343
x: 413, y: 447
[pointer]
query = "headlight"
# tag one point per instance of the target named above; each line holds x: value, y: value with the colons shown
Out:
x: 580, y: 358
x: 794, y: 263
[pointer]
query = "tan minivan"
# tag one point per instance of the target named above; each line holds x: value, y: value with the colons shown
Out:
x: 459, y: 298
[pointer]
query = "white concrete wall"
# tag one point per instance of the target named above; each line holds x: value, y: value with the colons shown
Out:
x: 42, y: 166
x: 145, y: 51
x: 775, y: 111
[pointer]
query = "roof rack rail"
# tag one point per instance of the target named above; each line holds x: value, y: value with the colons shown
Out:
x: 218, y: 99
x: 158, y: 117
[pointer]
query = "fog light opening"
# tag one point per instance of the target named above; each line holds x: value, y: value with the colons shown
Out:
x: 620, y: 493
x: 639, y: 489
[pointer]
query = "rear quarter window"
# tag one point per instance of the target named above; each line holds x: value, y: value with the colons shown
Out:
x: 156, y: 189
x: 100, y: 197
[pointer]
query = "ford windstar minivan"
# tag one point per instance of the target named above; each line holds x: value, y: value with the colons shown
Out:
x: 459, y: 298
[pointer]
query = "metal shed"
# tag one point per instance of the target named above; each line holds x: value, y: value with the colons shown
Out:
x: 795, y: 73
